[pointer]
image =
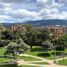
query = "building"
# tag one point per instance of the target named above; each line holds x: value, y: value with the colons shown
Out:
x: 56, y: 31
x: 18, y: 28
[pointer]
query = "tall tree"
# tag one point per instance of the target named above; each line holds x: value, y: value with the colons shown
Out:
x: 16, y: 48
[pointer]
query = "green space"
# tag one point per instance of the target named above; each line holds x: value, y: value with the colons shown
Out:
x: 32, y: 41
x: 2, y: 57
x: 62, y: 62
x: 13, y: 65
x: 2, y: 50
x: 25, y: 58
x: 29, y: 66
x: 37, y: 51
x: 42, y: 63
x: 3, y: 60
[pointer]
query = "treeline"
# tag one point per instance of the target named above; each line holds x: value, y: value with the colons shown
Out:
x: 32, y: 37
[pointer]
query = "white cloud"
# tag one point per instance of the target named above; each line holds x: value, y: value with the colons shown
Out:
x: 53, y: 13
x: 42, y: 1
x: 4, y: 17
x: 23, y: 13
x: 62, y: 1
x: 49, y: 9
x: 63, y: 15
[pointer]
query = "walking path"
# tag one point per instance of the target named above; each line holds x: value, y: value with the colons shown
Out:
x: 51, y: 62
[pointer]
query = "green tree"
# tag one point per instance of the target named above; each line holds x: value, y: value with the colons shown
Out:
x: 35, y: 36
x: 14, y: 48
x: 47, y: 46
x: 8, y: 34
x: 62, y: 41
x: 22, y: 44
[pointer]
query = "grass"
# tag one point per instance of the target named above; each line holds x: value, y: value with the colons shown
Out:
x: 42, y: 63
x: 62, y: 62
x: 37, y: 51
x: 9, y: 65
x: 13, y: 65
x: 42, y: 54
x: 2, y: 60
x: 27, y: 58
x: 29, y: 66
x: 2, y: 50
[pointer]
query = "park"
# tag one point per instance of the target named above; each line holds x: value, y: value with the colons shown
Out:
x: 32, y: 48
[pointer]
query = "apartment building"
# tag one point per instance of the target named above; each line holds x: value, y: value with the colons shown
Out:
x: 56, y: 31
x: 18, y: 28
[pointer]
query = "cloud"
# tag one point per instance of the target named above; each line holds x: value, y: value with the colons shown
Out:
x: 15, y: 1
x: 49, y: 13
x: 25, y: 10
x: 53, y: 14
x: 23, y: 13
x: 62, y: 1
x: 4, y: 17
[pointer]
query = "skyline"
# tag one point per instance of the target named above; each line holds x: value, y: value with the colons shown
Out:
x: 30, y: 10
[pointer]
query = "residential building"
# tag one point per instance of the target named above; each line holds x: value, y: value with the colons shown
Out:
x: 56, y: 31
x: 18, y: 28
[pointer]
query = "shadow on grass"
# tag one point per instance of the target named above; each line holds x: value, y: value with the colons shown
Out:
x: 10, y: 65
x: 58, y: 53
x: 36, y: 49
x: 7, y: 57
x: 44, y: 55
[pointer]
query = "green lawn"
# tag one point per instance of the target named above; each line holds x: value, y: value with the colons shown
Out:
x: 62, y: 62
x: 37, y: 51
x: 27, y: 58
x: 42, y: 63
x: 42, y: 54
x: 2, y: 50
x: 29, y: 66
x: 13, y: 65
x: 2, y: 60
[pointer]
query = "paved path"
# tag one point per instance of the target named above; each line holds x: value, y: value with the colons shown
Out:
x: 51, y: 62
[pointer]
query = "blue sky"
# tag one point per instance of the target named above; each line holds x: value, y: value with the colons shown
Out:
x: 25, y: 10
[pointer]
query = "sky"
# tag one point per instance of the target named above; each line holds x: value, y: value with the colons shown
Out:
x: 30, y: 10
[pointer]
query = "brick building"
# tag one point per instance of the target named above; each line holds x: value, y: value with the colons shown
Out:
x: 18, y: 28
x: 56, y: 31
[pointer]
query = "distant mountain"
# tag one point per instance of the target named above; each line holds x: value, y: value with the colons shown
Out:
x: 47, y: 22
x: 39, y: 23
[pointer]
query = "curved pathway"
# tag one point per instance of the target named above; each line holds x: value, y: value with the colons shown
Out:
x: 51, y: 62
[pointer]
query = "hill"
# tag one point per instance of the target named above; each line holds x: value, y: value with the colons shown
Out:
x: 39, y: 23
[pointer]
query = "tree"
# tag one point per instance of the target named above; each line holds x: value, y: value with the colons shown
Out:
x: 4, y: 42
x: 8, y: 34
x: 61, y: 44
x: 28, y: 36
x: 47, y: 46
x: 16, y: 48
x: 22, y: 44
x: 62, y: 41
